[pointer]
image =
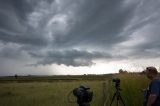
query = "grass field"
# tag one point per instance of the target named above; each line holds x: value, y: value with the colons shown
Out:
x: 54, y: 90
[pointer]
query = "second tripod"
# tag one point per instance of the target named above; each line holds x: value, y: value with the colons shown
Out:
x: 117, y: 94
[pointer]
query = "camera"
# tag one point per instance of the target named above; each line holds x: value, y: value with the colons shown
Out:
x: 117, y: 82
x: 84, y: 95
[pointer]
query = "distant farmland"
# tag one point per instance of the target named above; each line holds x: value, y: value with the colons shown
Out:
x: 34, y: 78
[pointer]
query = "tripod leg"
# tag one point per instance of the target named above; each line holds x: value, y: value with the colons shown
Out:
x: 117, y: 102
x: 121, y: 100
x: 118, y: 97
x: 113, y: 98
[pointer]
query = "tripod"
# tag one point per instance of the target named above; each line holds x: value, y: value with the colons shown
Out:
x: 118, y: 96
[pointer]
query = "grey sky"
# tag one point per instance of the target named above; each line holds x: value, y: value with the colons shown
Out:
x: 38, y: 37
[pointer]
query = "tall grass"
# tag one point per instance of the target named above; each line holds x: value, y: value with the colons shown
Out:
x: 132, y: 85
x: 45, y: 94
x: 56, y: 93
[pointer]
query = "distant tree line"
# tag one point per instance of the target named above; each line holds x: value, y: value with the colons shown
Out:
x: 121, y: 71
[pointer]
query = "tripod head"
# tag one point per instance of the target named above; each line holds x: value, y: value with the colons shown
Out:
x: 117, y: 83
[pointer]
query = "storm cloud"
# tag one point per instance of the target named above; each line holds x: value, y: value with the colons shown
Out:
x: 78, y: 32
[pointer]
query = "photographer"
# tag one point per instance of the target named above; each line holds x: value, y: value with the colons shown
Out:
x: 153, y: 92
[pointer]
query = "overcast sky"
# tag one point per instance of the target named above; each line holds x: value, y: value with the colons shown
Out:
x: 48, y: 37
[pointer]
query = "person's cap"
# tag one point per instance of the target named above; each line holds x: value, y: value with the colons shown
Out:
x: 152, y: 70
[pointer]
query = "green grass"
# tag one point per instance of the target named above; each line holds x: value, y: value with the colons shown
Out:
x: 44, y: 94
x: 132, y: 86
x: 55, y: 93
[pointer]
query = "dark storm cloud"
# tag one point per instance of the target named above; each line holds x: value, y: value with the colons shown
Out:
x: 11, y: 11
x: 146, y: 12
x: 100, y: 23
x: 145, y: 26
x: 70, y: 58
x: 21, y: 39
x: 13, y: 23
x: 64, y: 31
x: 10, y: 52
x: 150, y: 47
x: 143, y: 30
